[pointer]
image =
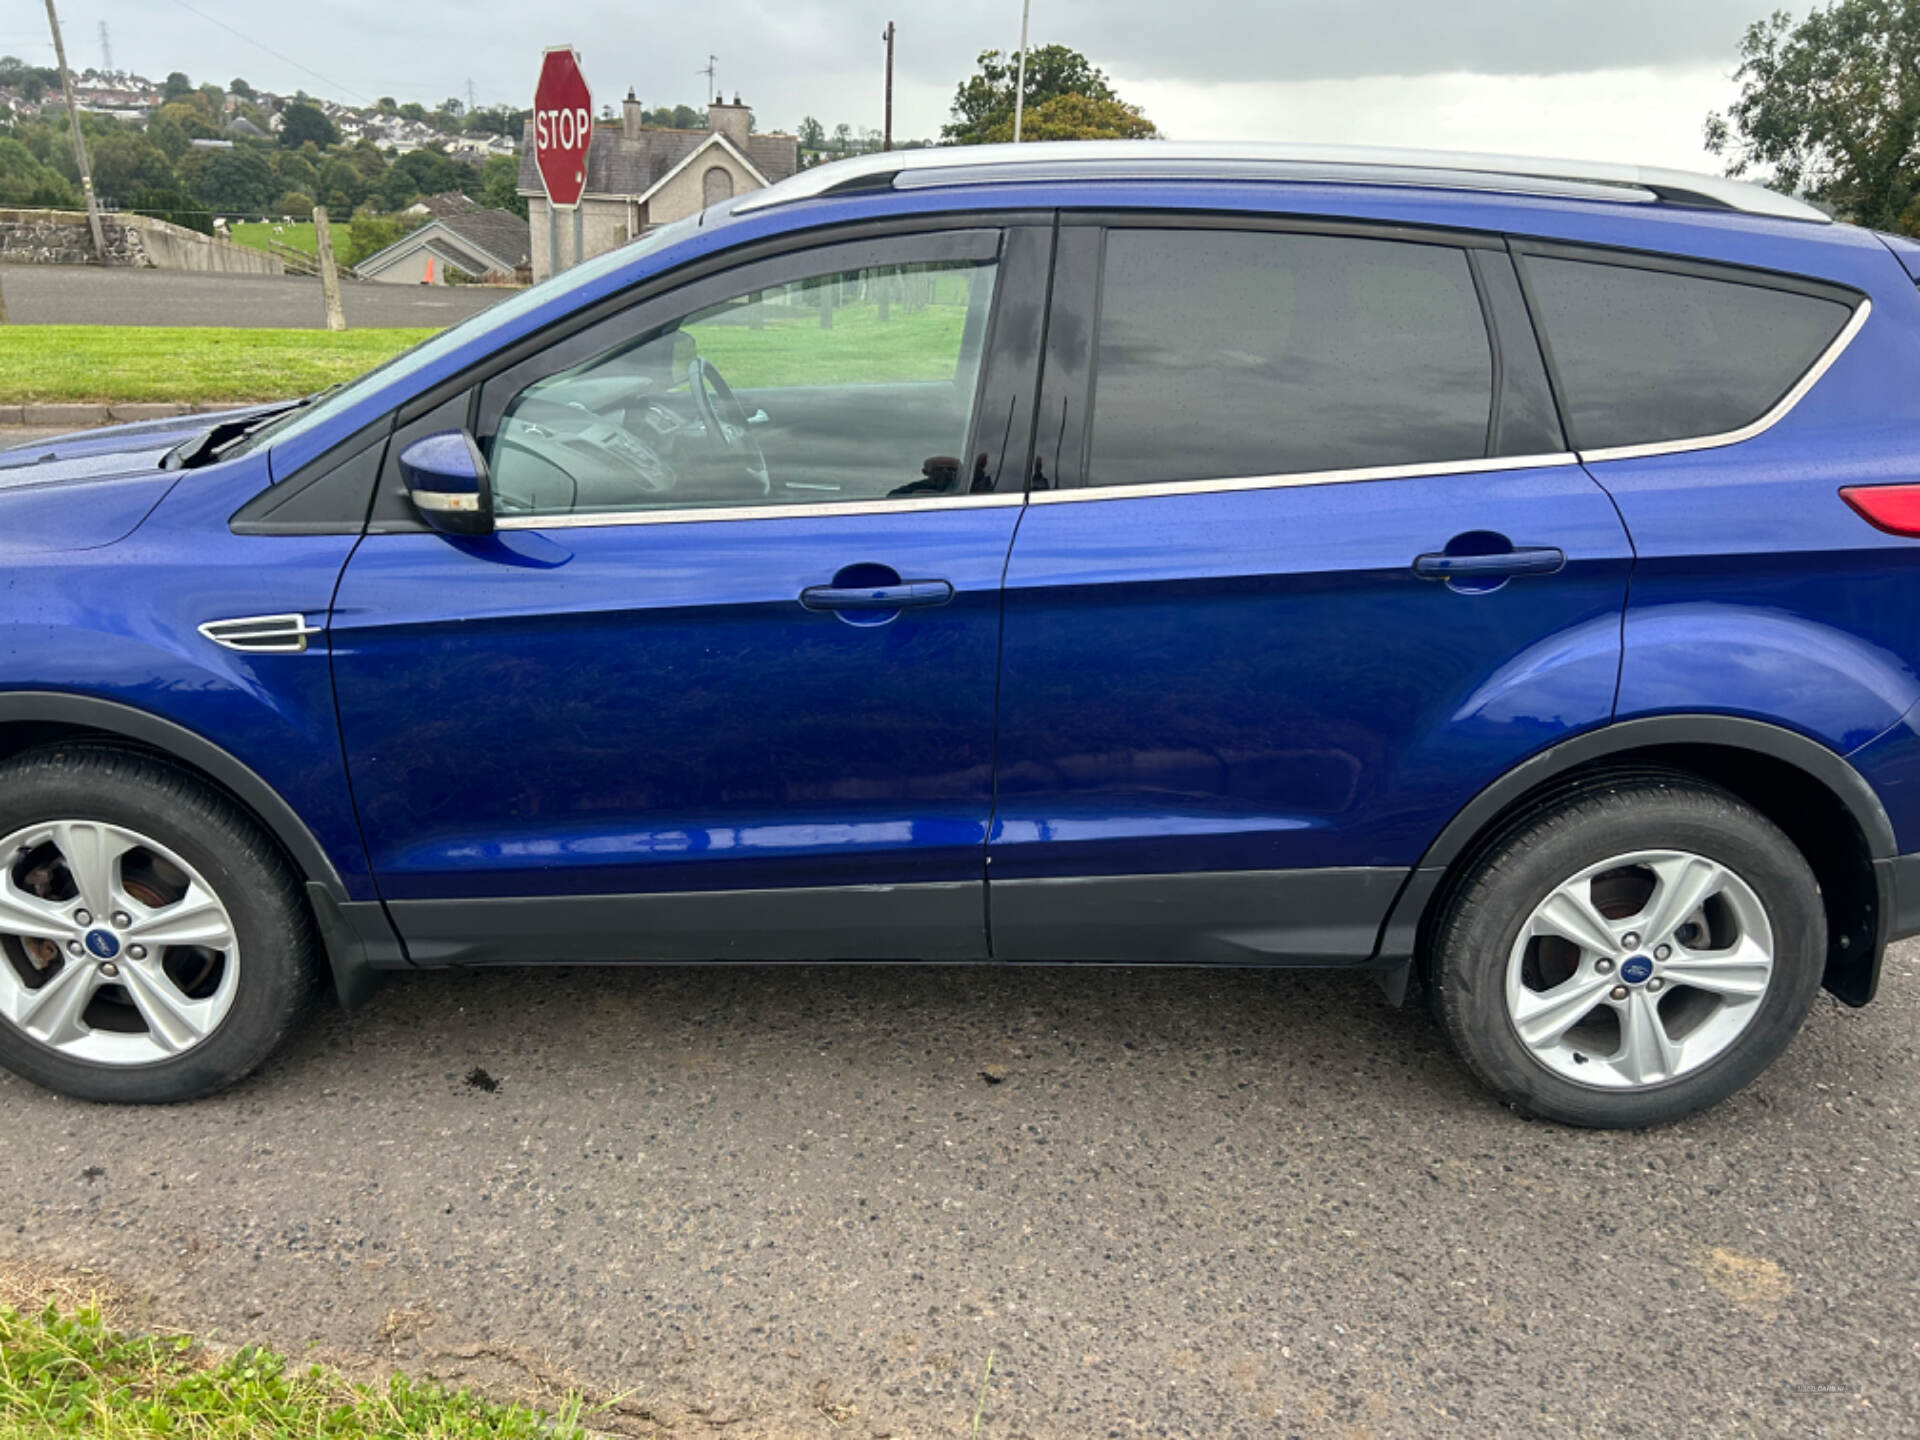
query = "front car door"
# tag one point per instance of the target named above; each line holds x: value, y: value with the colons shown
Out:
x: 1312, y: 569
x: 722, y: 683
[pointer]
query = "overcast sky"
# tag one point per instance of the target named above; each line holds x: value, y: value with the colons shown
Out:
x: 1627, y: 80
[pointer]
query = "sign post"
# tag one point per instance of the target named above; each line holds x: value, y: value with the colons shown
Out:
x: 562, y: 131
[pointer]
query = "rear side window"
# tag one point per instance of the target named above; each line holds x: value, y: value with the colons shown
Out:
x: 1226, y: 354
x: 1645, y: 356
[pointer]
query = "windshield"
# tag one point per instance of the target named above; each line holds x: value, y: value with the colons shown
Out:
x: 330, y: 403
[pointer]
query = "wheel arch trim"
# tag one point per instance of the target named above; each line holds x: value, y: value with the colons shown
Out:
x: 1399, y: 933
x: 112, y: 718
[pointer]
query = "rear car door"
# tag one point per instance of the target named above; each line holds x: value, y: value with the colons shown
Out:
x: 1306, y: 566
x: 721, y: 685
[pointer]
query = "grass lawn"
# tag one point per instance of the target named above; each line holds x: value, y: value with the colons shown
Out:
x: 67, y: 1373
x: 40, y: 363
x: 296, y: 235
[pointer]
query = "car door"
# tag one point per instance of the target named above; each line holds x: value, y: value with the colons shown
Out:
x: 1311, y: 567
x: 721, y: 684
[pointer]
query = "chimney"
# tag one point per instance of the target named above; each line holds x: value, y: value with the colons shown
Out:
x: 630, y: 113
x: 730, y: 121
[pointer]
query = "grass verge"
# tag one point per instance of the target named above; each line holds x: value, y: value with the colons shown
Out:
x: 65, y: 1372
x: 122, y: 363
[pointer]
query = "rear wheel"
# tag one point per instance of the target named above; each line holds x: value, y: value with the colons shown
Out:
x: 153, y: 943
x: 1631, y: 955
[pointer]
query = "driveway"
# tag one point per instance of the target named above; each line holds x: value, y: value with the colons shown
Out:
x: 810, y: 1201
x: 85, y: 295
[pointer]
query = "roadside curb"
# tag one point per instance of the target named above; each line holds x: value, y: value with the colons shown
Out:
x: 77, y: 416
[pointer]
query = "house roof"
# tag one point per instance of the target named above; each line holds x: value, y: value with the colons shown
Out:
x: 447, y: 202
x: 479, y: 242
x: 619, y: 166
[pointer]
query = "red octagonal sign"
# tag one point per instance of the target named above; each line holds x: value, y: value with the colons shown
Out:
x: 562, y: 125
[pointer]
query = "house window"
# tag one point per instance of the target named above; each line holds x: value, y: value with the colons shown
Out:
x: 716, y: 185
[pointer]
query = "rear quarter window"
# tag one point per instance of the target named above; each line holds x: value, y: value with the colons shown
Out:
x: 1644, y: 356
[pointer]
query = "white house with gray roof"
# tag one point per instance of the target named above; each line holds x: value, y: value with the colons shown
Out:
x: 639, y: 176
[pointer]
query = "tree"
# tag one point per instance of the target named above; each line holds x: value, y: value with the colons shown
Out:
x: 27, y: 181
x: 301, y: 123
x: 1077, y: 117
x: 239, y: 181
x: 983, y: 104
x: 174, y: 206
x: 126, y: 163
x: 422, y: 172
x: 1832, y: 106
x: 342, y: 186
x: 295, y: 204
x: 240, y: 88
x: 813, y: 135
x: 500, y: 185
x: 177, y: 87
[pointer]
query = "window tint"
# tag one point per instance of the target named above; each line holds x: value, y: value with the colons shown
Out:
x: 1644, y: 356
x: 1226, y: 354
x: 841, y: 387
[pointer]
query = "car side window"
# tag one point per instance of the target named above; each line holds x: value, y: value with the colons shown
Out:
x: 1644, y: 356
x: 848, y: 386
x: 1229, y: 354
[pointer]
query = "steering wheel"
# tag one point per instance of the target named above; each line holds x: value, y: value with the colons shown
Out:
x: 734, y: 441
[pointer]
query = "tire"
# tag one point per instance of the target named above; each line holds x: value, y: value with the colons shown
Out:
x: 1506, y: 974
x: 132, y: 1039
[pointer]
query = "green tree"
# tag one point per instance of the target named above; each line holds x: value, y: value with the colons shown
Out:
x: 983, y: 104
x: 177, y: 87
x: 192, y: 121
x: 812, y: 134
x: 174, y: 206
x: 1077, y: 117
x: 26, y: 180
x: 240, y: 88
x: 165, y: 133
x: 125, y: 163
x: 342, y: 186
x: 296, y: 171
x: 295, y: 204
x: 232, y: 182
x: 422, y: 172
x: 500, y: 185
x: 1831, y: 106
x: 302, y: 123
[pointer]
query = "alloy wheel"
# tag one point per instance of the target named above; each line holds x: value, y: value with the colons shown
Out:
x: 113, y: 949
x: 1639, y: 969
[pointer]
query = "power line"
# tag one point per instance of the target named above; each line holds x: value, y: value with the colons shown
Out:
x: 241, y: 35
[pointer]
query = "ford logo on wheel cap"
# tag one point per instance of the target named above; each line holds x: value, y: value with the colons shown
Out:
x: 1636, y: 971
x: 102, y: 944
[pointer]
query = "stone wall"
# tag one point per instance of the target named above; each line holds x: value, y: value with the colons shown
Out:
x: 61, y: 237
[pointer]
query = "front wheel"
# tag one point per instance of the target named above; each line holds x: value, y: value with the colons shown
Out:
x: 153, y: 943
x: 1631, y: 955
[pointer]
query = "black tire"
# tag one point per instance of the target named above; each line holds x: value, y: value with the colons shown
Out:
x: 277, y: 970
x: 1476, y: 932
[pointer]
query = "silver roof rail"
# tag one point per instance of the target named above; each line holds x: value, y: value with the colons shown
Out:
x: 1324, y: 164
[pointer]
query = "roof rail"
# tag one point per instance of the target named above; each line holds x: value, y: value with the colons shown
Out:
x: 1323, y: 164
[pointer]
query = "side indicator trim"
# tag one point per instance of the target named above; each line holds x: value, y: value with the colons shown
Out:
x: 262, y: 634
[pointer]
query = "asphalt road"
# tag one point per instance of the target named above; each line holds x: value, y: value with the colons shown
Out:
x: 83, y: 295
x: 791, y: 1202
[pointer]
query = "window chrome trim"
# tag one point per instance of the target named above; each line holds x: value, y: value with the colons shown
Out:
x: 1766, y: 422
x: 1479, y: 466
x: 795, y: 510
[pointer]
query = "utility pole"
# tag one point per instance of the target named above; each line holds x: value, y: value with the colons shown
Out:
x: 886, y: 136
x: 713, y: 62
x: 79, y: 144
x: 1020, y: 84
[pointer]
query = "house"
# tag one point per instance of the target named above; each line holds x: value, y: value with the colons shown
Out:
x: 639, y: 177
x: 480, y: 244
x: 438, y: 207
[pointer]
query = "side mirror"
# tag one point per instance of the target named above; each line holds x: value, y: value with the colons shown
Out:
x: 446, y: 476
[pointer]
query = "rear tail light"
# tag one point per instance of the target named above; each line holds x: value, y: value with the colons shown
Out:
x: 1892, y: 508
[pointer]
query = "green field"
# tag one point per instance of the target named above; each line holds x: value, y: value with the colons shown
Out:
x: 43, y: 363
x: 66, y: 1372
x: 254, y: 234
x: 860, y: 349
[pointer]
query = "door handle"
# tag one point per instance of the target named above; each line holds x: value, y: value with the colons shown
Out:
x: 906, y: 595
x: 1529, y: 560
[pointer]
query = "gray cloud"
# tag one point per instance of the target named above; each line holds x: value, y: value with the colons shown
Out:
x: 822, y: 57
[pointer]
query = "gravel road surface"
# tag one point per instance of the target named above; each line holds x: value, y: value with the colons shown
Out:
x: 83, y: 295
x: 810, y: 1201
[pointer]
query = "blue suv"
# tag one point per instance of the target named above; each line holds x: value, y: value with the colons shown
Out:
x: 1496, y: 576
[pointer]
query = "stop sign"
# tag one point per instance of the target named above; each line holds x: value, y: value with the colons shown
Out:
x: 562, y: 125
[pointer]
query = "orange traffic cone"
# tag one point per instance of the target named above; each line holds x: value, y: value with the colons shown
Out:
x: 429, y: 279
